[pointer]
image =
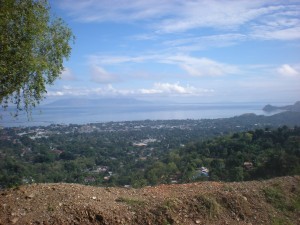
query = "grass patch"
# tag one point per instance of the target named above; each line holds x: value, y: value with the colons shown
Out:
x: 169, y: 204
x: 280, y: 221
x: 209, y: 206
x: 166, y: 208
x: 276, y: 197
x: 228, y: 188
x: 165, y: 223
x: 130, y: 201
x: 296, y: 201
x: 50, y: 208
x: 296, y: 204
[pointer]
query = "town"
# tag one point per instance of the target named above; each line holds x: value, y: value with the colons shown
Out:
x: 129, y: 153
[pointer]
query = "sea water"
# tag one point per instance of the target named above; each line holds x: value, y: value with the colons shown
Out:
x: 44, y: 116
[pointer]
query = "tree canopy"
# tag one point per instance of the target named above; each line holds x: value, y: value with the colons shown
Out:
x: 33, y: 46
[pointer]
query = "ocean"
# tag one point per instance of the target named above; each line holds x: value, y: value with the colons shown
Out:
x: 44, y: 116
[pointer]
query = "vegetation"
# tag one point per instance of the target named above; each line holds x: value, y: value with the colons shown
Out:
x: 130, y: 201
x: 208, y: 206
x: 280, y: 198
x: 258, y: 154
x: 32, y: 48
x: 277, y: 197
x: 145, y: 153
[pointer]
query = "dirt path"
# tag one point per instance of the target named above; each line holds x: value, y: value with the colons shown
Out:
x: 275, y: 201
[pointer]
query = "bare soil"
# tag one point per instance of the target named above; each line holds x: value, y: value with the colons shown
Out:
x: 275, y: 201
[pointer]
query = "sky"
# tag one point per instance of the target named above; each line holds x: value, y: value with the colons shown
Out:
x: 181, y: 50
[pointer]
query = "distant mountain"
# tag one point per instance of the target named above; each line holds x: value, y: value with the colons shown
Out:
x: 80, y: 102
x: 294, y: 108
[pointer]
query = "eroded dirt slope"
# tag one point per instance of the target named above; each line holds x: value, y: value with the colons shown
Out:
x: 275, y: 201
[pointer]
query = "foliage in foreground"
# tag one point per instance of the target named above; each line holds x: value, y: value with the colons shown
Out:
x: 33, y: 46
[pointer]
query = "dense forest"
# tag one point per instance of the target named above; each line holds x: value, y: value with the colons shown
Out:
x: 258, y: 154
x: 145, y: 153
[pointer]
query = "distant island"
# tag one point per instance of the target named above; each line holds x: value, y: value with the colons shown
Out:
x: 294, y: 108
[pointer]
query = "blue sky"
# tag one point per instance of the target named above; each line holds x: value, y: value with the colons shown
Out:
x: 182, y: 50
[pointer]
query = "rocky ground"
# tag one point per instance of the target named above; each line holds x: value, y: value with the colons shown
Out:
x: 275, y: 201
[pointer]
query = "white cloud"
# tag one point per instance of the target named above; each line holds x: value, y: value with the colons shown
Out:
x: 67, y: 75
x: 168, y: 16
x: 289, y: 71
x: 143, y: 37
x: 55, y: 93
x: 174, y: 89
x: 269, y: 33
x: 161, y: 89
x: 99, y: 75
x: 192, y: 65
x: 201, y: 66
x: 110, y: 60
x: 215, y: 14
x: 67, y: 90
x: 115, y: 10
x: 283, y: 24
x: 205, y: 42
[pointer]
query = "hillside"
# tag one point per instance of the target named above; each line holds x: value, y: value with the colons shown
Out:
x: 275, y: 201
x: 294, y: 108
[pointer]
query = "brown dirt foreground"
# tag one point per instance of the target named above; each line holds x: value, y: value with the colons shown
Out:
x: 275, y: 201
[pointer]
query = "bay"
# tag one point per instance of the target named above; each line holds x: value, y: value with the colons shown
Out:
x: 47, y: 115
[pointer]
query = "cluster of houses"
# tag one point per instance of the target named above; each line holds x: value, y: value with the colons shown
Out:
x: 99, y: 170
x: 144, y: 143
x: 201, y: 172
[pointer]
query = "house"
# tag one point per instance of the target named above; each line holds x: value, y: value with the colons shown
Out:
x: 201, y: 172
x: 57, y: 151
x: 248, y: 165
x: 139, y: 144
x: 106, y: 178
x: 204, y: 170
x: 89, y: 179
x: 100, y: 169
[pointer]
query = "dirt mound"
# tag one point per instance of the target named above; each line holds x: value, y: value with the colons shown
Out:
x: 275, y: 201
